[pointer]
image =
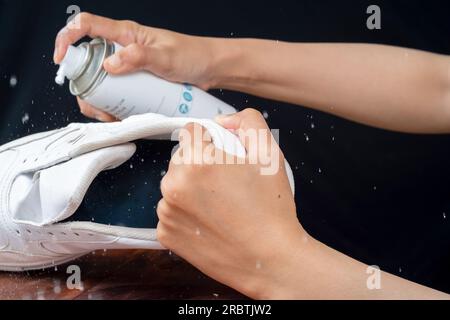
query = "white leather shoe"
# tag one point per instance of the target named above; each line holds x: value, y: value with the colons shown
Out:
x: 44, y: 178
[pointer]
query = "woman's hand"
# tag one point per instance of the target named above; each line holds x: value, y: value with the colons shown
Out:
x: 169, y: 55
x: 240, y: 227
x: 232, y: 222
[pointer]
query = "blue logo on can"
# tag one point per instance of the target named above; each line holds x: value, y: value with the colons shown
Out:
x: 183, y: 108
x: 187, y: 96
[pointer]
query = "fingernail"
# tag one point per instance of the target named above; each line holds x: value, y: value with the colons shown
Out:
x: 114, y: 61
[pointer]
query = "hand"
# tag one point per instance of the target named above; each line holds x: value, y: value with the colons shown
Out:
x: 233, y: 223
x: 169, y: 55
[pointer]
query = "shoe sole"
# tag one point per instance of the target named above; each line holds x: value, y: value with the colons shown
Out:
x: 40, y: 266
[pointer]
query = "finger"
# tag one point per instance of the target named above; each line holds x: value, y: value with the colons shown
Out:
x: 194, y: 139
x: 194, y: 135
x: 86, y: 24
x: 247, y: 124
x: 91, y: 112
x: 173, y: 217
x: 131, y: 58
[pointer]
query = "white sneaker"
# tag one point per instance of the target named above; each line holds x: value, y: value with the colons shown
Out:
x: 44, y: 178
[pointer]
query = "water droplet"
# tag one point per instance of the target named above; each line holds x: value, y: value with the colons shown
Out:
x: 444, y: 215
x: 57, y: 286
x: 313, y: 125
x: 25, y: 118
x: 306, y: 137
x: 131, y: 166
x: 13, y: 81
x: 374, y: 188
x: 41, y: 295
x: 265, y: 115
x: 163, y: 173
x: 320, y: 170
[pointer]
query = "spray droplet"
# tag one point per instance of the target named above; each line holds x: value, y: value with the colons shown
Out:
x: 444, y: 215
x: 163, y: 173
x: 131, y: 166
x: 265, y: 115
x: 25, y: 118
x: 13, y: 81
x: 306, y: 137
x: 313, y: 125
x: 57, y: 286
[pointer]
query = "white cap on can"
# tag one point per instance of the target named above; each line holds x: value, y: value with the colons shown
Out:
x: 71, y: 65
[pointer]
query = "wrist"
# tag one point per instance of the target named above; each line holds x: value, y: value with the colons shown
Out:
x: 228, y: 69
x: 286, y: 270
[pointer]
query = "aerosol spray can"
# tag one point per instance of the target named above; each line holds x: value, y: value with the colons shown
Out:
x: 136, y: 93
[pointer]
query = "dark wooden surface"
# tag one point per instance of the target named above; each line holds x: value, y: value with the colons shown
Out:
x: 130, y: 274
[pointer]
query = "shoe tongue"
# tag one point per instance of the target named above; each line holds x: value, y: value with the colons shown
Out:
x: 54, y: 194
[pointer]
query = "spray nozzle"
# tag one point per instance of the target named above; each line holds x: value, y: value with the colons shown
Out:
x: 71, y: 65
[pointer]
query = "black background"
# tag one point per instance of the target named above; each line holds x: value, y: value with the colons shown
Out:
x: 380, y: 197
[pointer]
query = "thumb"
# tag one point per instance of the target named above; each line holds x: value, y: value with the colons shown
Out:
x: 243, y: 123
x: 131, y: 58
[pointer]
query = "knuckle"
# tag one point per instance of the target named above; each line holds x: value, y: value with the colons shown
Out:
x: 163, y: 210
x: 251, y: 113
x: 163, y: 235
x: 84, y: 17
x: 170, y: 190
x: 129, y: 24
